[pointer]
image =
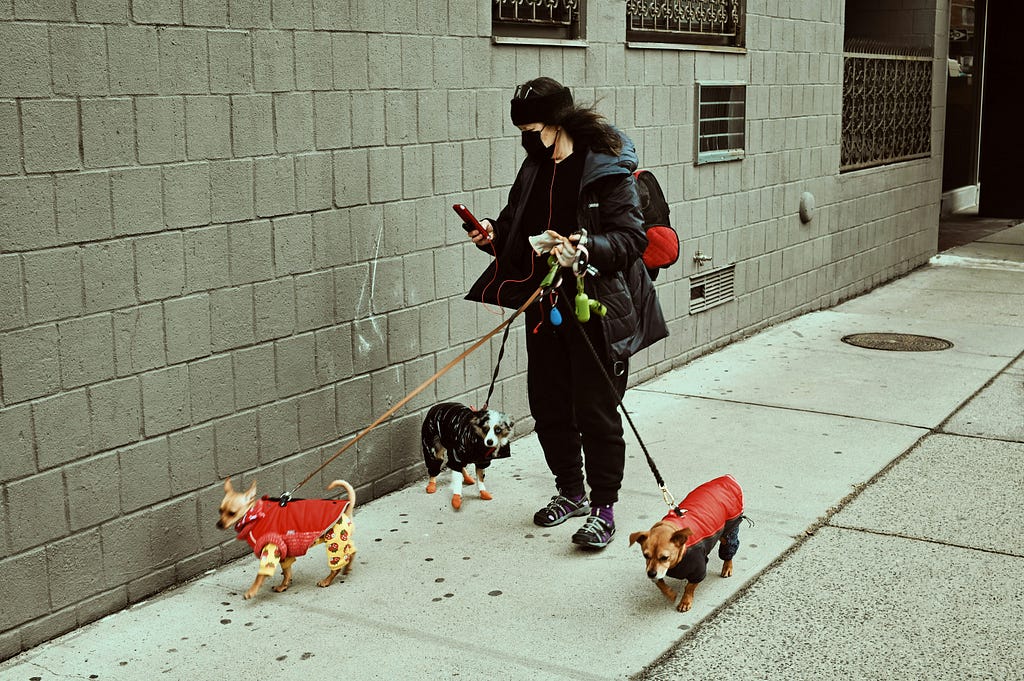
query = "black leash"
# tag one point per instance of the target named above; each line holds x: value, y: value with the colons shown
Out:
x: 497, y: 367
x: 545, y: 287
x: 666, y: 495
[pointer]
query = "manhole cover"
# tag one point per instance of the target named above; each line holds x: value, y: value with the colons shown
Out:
x: 899, y: 342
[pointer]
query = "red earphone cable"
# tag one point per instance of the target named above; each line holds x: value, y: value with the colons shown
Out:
x: 533, y: 260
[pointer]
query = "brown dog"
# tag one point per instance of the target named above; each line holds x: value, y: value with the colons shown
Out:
x: 678, y: 545
x: 280, y: 532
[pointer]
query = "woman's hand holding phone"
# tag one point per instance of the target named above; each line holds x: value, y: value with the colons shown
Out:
x: 480, y: 232
x: 482, y: 238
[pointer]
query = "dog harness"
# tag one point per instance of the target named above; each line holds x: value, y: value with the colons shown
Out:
x: 710, y: 511
x: 291, y: 528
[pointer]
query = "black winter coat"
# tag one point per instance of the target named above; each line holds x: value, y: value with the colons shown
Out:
x: 609, y: 209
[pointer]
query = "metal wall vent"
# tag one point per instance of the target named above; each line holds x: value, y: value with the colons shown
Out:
x: 712, y: 289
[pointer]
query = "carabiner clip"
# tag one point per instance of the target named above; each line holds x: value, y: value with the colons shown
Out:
x: 667, y: 496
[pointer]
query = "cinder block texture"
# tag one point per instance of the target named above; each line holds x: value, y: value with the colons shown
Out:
x: 226, y: 241
x: 50, y: 134
x: 108, y: 132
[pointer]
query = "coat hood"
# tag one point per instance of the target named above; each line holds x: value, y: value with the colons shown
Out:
x: 598, y: 165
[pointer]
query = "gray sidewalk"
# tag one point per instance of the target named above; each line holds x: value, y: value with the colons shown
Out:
x: 918, y: 574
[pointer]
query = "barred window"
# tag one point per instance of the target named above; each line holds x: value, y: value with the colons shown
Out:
x: 887, y: 105
x: 721, y: 121
x: 546, y: 19
x: 695, y: 22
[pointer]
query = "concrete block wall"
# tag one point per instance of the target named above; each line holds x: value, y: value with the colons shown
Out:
x: 226, y: 247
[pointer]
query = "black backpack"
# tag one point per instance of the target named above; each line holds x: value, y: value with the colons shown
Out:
x: 662, y: 241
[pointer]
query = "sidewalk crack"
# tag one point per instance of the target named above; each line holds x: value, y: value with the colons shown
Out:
x: 900, y: 535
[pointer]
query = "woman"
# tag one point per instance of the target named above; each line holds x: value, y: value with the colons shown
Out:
x: 576, y: 188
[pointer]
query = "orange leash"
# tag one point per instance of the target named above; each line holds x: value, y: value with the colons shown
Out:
x: 286, y: 497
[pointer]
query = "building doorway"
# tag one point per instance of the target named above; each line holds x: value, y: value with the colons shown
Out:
x: 964, y: 83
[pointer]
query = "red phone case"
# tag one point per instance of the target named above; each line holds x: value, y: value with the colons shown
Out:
x: 470, y: 221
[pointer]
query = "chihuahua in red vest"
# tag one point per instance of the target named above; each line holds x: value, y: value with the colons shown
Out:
x: 678, y: 545
x: 279, y: 532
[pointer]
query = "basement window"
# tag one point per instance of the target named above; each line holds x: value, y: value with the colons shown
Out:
x: 721, y: 122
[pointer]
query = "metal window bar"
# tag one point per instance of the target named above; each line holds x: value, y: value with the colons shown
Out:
x: 536, y: 12
x: 721, y: 112
x: 687, y: 21
x: 887, y: 106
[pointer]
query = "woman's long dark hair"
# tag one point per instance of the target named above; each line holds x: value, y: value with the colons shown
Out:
x: 583, y: 123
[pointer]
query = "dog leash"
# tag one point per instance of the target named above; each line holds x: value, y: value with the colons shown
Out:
x: 665, y: 493
x: 497, y: 366
x: 287, y: 496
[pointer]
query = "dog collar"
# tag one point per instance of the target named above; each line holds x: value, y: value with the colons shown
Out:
x: 251, y: 516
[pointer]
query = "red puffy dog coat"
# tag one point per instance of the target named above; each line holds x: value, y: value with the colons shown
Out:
x: 710, y: 511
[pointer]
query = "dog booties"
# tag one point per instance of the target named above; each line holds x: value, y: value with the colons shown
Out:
x: 710, y: 511
x: 292, y: 528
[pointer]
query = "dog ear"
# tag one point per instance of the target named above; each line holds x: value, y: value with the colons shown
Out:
x: 228, y: 488
x: 251, y: 492
x: 640, y: 537
x: 679, y: 536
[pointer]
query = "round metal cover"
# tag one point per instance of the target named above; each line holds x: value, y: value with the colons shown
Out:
x: 899, y: 342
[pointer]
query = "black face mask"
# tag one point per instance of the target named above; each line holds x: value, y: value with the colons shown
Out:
x: 535, y: 147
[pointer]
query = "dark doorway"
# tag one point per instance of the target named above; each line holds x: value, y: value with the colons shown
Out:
x: 1002, y: 139
x: 964, y: 74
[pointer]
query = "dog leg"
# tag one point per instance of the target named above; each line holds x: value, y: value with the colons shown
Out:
x: 669, y: 592
x: 456, y: 490
x: 326, y: 581
x: 687, y: 601
x: 433, y: 457
x: 484, y: 494
x: 286, y: 575
x: 467, y: 478
x: 727, y: 568
x: 255, y: 586
x: 270, y: 558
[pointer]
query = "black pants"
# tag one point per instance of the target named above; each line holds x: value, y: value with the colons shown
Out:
x: 574, y: 409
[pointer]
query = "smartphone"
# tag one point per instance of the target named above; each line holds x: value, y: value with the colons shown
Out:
x: 469, y: 220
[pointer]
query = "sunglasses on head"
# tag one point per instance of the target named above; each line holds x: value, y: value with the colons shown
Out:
x: 523, y: 91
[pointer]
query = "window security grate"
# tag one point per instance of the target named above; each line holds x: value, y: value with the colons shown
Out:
x: 537, y: 12
x: 712, y: 289
x: 698, y: 22
x: 887, y: 105
x: 721, y: 116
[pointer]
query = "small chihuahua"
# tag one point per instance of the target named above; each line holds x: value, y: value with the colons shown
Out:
x: 678, y: 545
x: 279, y: 532
x: 456, y: 436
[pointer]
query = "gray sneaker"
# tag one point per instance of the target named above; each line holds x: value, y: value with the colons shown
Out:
x: 596, y: 533
x: 560, y: 509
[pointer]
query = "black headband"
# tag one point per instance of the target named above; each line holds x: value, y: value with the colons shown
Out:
x: 540, y: 109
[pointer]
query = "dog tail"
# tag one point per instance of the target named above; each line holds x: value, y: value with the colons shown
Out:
x: 351, y: 493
